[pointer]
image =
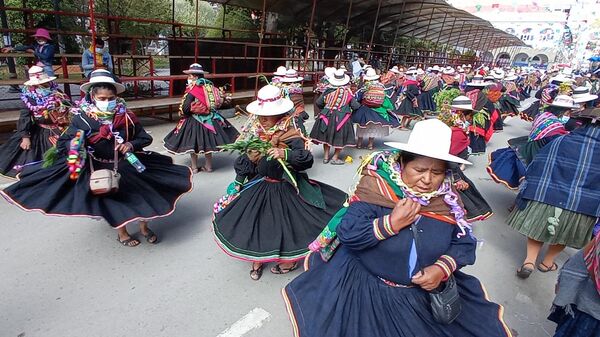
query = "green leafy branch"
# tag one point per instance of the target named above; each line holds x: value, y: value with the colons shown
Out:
x: 256, y: 144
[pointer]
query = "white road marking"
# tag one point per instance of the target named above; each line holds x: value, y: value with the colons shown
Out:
x: 252, y: 320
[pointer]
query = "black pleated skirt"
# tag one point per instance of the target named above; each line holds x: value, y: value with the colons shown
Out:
x: 190, y: 136
x: 147, y: 195
x: 270, y: 221
x: 12, y: 156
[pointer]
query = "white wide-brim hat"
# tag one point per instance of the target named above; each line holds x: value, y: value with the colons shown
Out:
x: 291, y: 76
x: 477, y: 81
x: 511, y: 77
x: 582, y: 95
x: 561, y: 78
x: 448, y: 70
x: 498, y: 74
x: 270, y: 102
x: 195, y: 69
x: 564, y: 101
x: 435, y: 68
x: 329, y: 72
x: 38, y: 76
x: 420, y: 71
x: 462, y: 103
x: 371, y: 75
x: 280, y: 71
x: 339, y: 78
x: 102, y: 76
x: 430, y: 138
x: 395, y: 70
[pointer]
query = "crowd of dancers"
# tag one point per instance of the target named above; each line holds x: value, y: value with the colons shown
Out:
x: 375, y: 257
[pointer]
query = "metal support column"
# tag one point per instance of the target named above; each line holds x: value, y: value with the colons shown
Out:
x: 373, y: 32
x: 308, y: 36
x: 196, y: 35
x: 343, y: 47
x: 260, y: 39
x: 395, y: 37
x: 412, y: 37
x: 93, y: 27
x: 12, y: 70
x: 437, y: 42
x: 448, y: 42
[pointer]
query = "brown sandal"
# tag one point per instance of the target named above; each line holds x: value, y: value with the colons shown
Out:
x: 255, y: 274
x: 280, y: 271
x: 547, y: 269
x: 525, y: 272
x: 127, y: 242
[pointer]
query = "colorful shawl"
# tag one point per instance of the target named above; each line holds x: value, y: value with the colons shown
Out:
x: 337, y: 101
x: 381, y: 184
x: 53, y: 102
x: 545, y: 125
x: 591, y: 255
x: 110, y: 120
x: 565, y: 173
x: 430, y: 82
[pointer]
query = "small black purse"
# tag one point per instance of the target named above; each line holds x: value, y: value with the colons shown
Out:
x: 445, y: 300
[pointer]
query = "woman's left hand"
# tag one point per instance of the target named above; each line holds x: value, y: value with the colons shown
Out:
x: 461, y: 185
x: 430, y: 279
x: 124, y: 148
x: 276, y: 153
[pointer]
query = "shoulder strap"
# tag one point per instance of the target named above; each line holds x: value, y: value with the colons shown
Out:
x: 415, y: 232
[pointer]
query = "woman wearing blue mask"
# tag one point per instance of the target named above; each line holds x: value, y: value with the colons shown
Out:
x: 201, y: 129
x: 100, y: 168
x: 102, y: 56
x: 42, y: 121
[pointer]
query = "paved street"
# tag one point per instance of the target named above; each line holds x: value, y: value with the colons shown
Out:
x: 69, y: 277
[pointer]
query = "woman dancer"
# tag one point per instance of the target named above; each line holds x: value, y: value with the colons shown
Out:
x: 201, y: 129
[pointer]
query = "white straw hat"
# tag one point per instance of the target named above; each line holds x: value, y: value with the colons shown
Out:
x: 420, y: 71
x: 564, y: 101
x: 435, y: 68
x: 395, y: 70
x: 329, y: 72
x: 498, y: 74
x: 339, y: 78
x: 511, y: 76
x: 561, y: 78
x: 102, y: 76
x: 582, y: 94
x: 462, y: 103
x: 448, y: 70
x: 195, y: 68
x: 430, y: 138
x: 38, y: 76
x: 280, y: 71
x: 371, y: 75
x: 270, y: 102
x: 291, y: 76
x: 477, y: 81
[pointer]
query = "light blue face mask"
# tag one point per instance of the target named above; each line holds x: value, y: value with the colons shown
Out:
x: 564, y: 119
x: 43, y: 91
x: 106, y: 106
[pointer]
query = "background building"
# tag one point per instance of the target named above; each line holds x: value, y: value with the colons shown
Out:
x: 557, y: 31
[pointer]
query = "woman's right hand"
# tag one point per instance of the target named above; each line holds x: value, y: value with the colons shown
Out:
x: 26, y: 144
x: 405, y: 213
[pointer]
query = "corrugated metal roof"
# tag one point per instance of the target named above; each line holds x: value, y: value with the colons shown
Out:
x: 433, y: 20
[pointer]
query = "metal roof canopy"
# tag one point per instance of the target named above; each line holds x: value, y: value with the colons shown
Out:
x: 433, y: 20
